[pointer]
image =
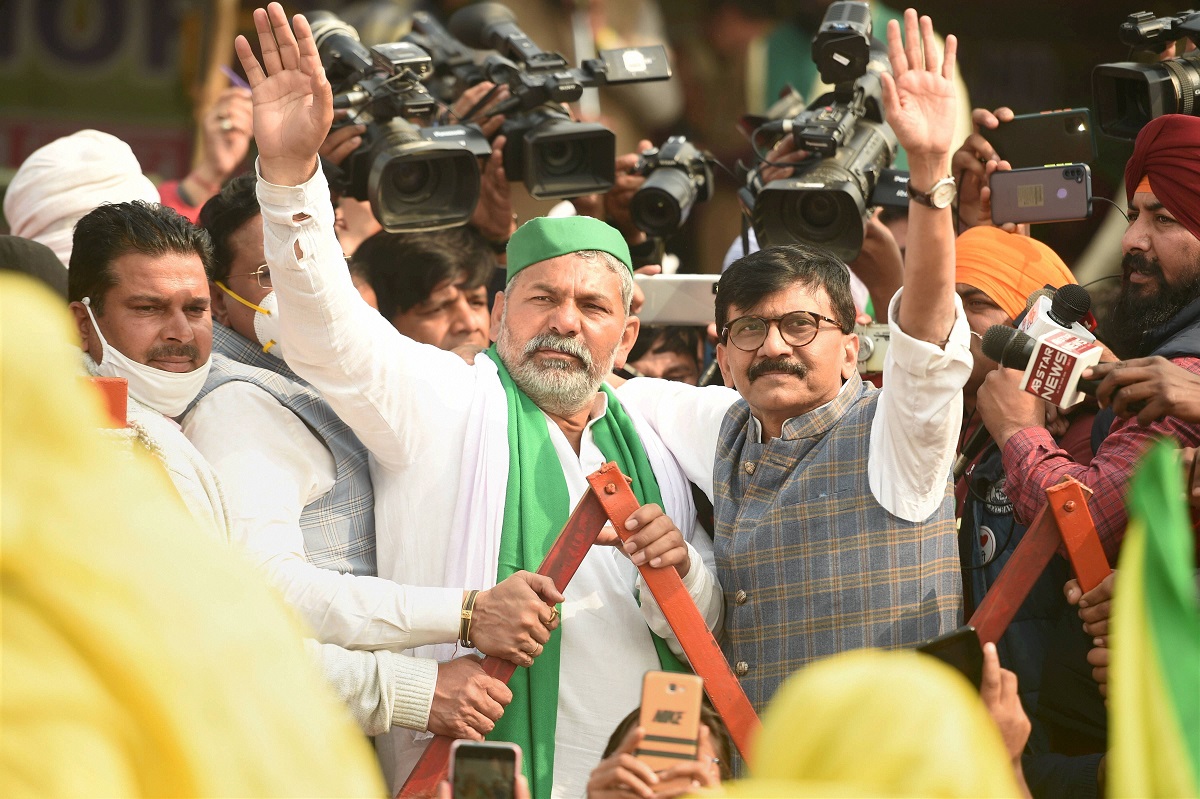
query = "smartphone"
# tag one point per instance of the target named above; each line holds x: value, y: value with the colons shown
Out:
x: 1051, y: 137
x: 1042, y: 194
x: 678, y: 299
x: 484, y: 769
x: 960, y: 649
x: 670, y: 716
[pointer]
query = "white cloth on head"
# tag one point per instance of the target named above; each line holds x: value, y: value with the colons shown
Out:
x: 60, y: 183
x: 858, y: 289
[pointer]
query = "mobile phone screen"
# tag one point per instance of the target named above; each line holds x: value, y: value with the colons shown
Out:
x: 483, y: 771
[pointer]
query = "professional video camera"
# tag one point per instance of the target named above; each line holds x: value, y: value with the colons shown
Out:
x: 825, y: 200
x: 553, y: 155
x: 416, y: 178
x: 1129, y: 94
x: 677, y: 176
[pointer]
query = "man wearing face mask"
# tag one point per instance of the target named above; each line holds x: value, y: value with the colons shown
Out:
x: 303, y: 505
x: 139, y: 293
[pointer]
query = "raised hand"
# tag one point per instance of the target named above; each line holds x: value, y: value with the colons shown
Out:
x: 918, y: 96
x: 293, y: 102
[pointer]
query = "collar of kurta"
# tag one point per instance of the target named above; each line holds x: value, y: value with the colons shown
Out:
x: 820, y: 420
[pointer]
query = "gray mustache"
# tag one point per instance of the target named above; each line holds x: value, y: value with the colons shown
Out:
x: 563, y: 344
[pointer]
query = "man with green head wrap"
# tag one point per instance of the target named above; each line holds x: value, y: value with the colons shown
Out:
x: 477, y: 467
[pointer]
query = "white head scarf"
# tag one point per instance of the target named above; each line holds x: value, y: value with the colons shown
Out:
x: 65, y: 180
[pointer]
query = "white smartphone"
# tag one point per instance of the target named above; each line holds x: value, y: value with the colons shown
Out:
x: 678, y: 299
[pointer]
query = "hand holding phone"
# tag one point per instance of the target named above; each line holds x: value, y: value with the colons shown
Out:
x: 961, y: 649
x: 670, y: 717
x: 484, y: 769
x: 1041, y: 194
x: 1051, y: 137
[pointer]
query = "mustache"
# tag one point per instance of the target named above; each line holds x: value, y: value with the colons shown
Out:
x: 1138, y: 262
x: 784, y: 365
x: 564, y: 344
x: 174, y: 351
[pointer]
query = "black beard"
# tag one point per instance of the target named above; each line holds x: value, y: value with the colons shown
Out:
x: 1139, y: 308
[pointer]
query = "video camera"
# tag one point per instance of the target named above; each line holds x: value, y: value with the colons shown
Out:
x: 553, y: 155
x: 416, y: 178
x: 677, y: 175
x: 825, y: 200
x: 1129, y: 94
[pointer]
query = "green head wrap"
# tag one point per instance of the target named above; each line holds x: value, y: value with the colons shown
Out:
x: 544, y: 238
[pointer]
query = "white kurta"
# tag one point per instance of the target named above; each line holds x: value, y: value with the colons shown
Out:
x: 410, y: 404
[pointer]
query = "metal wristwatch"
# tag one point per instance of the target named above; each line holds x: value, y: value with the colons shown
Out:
x: 940, y: 196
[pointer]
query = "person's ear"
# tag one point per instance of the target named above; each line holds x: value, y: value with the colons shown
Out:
x: 849, y: 355
x: 628, y: 339
x: 83, y: 325
x: 723, y: 362
x: 220, y: 310
x: 497, y: 314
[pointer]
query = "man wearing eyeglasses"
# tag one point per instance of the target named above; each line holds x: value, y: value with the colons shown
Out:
x: 833, y: 505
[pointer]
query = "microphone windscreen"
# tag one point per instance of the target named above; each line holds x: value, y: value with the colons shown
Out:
x: 1071, y: 303
x: 995, y: 340
x: 1037, y: 295
x: 472, y: 24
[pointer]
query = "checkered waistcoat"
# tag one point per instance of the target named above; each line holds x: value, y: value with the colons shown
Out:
x: 339, y: 526
x: 810, y: 563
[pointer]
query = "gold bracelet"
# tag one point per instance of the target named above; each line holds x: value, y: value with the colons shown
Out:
x: 464, y: 624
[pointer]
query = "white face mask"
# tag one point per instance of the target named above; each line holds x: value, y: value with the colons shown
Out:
x: 169, y: 393
x: 266, y: 320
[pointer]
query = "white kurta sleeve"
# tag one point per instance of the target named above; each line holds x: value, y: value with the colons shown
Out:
x: 272, y: 466
x: 915, y: 432
x: 380, y: 689
x: 377, y: 380
x: 686, y: 418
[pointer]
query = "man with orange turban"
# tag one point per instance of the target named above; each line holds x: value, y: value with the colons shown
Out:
x: 1156, y: 313
x: 995, y: 272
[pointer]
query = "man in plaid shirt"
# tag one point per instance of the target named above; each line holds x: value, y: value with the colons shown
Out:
x: 834, y: 510
x: 1156, y: 313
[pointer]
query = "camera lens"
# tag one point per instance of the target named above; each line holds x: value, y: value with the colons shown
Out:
x: 818, y: 210
x: 661, y: 206
x: 561, y: 157
x: 412, y: 181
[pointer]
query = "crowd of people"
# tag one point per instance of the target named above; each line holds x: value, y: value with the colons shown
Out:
x: 371, y: 440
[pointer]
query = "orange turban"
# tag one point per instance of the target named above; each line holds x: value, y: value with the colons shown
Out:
x: 1008, y: 267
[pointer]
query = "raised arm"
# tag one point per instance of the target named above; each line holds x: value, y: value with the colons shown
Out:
x: 293, y: 102
x: 919, y: 104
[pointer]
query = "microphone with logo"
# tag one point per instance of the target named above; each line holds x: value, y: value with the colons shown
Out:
x: 1061, y: 310
x: 1052, y: 365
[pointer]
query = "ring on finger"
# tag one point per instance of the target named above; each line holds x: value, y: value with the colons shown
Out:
x: 553, y: 610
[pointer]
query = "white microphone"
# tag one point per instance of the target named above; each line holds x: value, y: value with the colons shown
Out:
x: 1052, y: 363
x: 1061, y: 311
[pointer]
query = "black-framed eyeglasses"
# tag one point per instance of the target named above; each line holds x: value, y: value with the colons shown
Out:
x: 798, y: 328
x: 262, y: 275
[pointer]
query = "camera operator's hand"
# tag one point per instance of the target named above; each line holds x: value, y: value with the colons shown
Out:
x: 879, y: 264
x: 513, y: 620
x: 493, y: 216
x: 485, y: 117
x: 780, y: 158
x: 970, y: 161
x: 293, y: 101
x: 466, y: 701
x: 342, y: 140
x: 618, y: 199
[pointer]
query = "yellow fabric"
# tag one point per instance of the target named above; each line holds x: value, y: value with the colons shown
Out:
x: 877, y: 723
x: 1008, y: 267
x: 1146, y: 754
x: 139, y: 657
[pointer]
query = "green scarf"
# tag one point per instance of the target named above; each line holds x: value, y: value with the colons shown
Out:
x: 536, y: 506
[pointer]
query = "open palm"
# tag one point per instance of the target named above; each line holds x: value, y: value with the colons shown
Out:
x: 919, y: 96
x: 293, y: 103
